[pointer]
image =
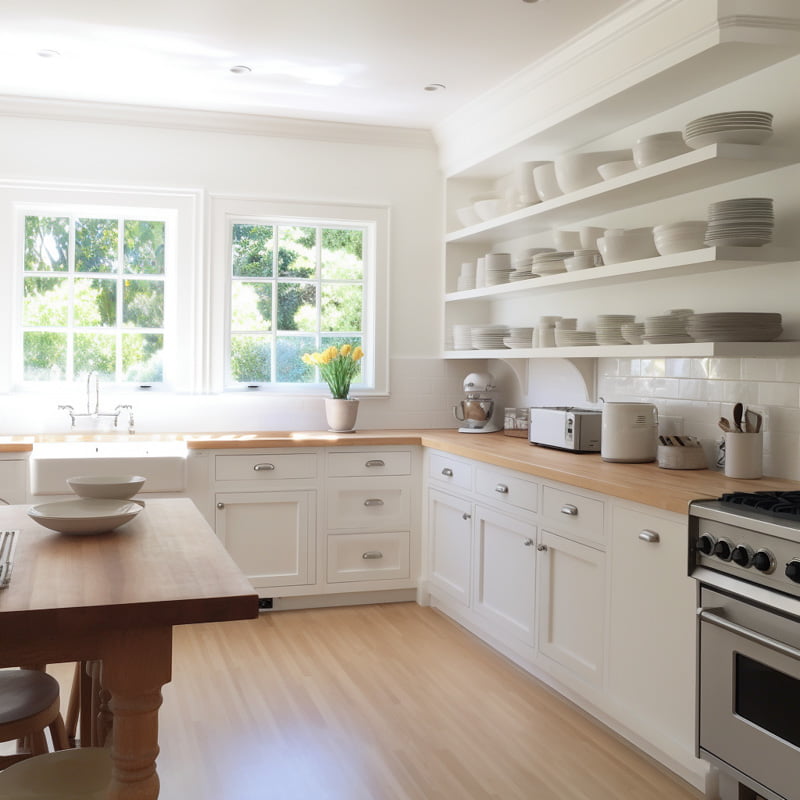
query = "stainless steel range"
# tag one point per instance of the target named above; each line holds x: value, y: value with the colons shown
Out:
x: 744, y: 550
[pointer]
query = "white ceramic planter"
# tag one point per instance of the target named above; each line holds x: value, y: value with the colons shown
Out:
x: 341, y: 414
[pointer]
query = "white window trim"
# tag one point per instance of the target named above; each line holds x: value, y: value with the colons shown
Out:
x: 225, y: 210
x: 185, y: 299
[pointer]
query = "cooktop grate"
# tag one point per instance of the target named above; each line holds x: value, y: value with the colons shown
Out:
x: 773, y: 504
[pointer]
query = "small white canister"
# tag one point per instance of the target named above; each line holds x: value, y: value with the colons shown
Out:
x: 629, y: 432
x: 744, y: 455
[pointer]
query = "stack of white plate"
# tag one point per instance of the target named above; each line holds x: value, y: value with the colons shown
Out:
x: 462, y: 337
x: 735, y: 327
x: 575, y: 338
x: 498, y: 268
x: 489, y: 337
x: 632, y: 332
x: 743, y: 222
x: 551, y: 263
x: 609, y: 328
x: 519, y: 337
x: 739, y: 127
x: 666, y: 329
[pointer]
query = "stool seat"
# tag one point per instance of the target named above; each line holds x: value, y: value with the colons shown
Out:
x: 82, y: 774
x: 25, y: 692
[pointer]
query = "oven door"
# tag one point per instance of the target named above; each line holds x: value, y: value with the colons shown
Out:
x: 749, y: 692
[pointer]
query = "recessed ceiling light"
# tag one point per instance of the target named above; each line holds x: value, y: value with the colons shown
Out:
x: 435, y: 87
x: 48, y: 53
x: 240, y: 69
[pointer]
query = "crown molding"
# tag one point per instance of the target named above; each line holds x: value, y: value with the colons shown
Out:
x: 214, y: 122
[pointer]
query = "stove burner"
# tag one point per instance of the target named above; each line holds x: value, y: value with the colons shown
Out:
x: 772, y: 504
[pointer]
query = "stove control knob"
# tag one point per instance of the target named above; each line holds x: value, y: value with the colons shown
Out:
x: 742, y: 555
x: 793, y: 570
x: 764, y: 561
x: 723, y: 549
x: 705, y: 544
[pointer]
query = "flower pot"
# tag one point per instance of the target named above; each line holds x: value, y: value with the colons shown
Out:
x: 341, y: 414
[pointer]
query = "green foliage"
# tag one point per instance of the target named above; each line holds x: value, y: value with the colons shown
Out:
x: 143, y: 249
x: 46, y: 244
x: 96, y: 245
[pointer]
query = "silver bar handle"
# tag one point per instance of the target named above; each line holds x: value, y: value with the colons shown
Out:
x: 501, y: 488
x: 707, y: 615
x: 447, y: 472
x: 371, y: 554
x: 649, y: 536
x: 570, y: 510
x: 375, y: 462
x: 264, y: 467
x: 373, y: 501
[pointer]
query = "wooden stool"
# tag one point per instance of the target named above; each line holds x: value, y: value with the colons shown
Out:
x: 28, y: 705
x: 88, y: 707
x: 82, y: 774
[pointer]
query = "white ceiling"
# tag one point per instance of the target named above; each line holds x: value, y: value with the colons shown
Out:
x: 358, y: 61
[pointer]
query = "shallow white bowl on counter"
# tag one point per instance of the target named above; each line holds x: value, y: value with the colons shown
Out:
x: 84, y: 517
x: 114, y: 487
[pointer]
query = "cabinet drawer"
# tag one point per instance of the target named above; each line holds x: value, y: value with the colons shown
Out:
x: 450, y: 471
x: 506, y: 488
x: 368, y: 556
x: 574, y: 514
x: 262, y: 467
x: 356, y: 464
x: 370, y: 503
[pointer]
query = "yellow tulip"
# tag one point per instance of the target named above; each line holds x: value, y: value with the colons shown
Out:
x: 358, y: 354
x: 345, y: 351
x: 307, y: 359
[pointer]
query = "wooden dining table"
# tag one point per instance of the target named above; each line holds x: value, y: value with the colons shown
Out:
x: 115, y: 597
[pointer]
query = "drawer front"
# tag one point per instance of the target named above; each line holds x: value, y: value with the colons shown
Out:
x: 506, y: 488
x: 451, y: 471
x: 275, y: 466
x: 358, y: 463
x: 369, y: 504
x: 368, y: 556
x: 570, y: 513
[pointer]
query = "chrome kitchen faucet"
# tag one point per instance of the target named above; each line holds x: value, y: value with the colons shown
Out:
x: 97, y: 413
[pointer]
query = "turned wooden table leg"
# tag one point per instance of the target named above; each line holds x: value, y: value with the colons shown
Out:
x: 136, y: 664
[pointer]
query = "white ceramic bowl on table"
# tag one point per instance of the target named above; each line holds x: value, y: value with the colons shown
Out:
x: 658, y: 147
x: 544, y: 179
x: 619, y: 245
x: 84, y: 516
x: 115, y: 487
x: 579, y: 170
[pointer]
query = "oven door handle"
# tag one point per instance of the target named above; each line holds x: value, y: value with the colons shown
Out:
x: 707, y: 615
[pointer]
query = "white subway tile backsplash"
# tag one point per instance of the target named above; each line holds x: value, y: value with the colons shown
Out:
x: 724, y: 368
x: 789, y: 370
x: 760, y: 369
x: 778, y: 394
x: 679, y: 367
x: 654, y: 367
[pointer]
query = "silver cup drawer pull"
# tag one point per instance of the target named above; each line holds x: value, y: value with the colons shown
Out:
x: 373, y: 501
x: 569, y: 509
x: 447, y: 472
x: 375, y: 462
x: 501, y: 488
x: 372, y: 554
x: 263, y: 467
x: 649, y: 536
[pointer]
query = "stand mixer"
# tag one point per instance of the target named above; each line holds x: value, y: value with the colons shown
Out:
x: 479, y: 412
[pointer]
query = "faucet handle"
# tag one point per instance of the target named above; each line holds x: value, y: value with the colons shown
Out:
x: 71, y: 411
x: 129, y: 408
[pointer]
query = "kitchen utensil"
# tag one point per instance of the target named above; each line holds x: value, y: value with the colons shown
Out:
x: 738, y: 411
x: 478, y: 412
x: 8, y: 545
x: 724, y: 424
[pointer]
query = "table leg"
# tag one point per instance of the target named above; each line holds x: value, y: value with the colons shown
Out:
x: 136, y: 664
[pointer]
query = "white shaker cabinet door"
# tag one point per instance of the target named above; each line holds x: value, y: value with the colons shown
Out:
x: 571, y: 600
x: 450, y: 555
x: 651, y: 666
x: 270, y: 535
x: 505, y: 573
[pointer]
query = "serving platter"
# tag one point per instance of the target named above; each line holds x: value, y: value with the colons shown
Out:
x: 84, y: 517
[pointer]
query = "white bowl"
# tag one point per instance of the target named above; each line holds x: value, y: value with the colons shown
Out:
x: 658, y: 147
x: 579, y: 170
x: 680, y: 237
x: 579, y: 262
x: 619, y: 245
x: 567, y: 240
x: 467, y: 216
x: 615, y: 168
x: 116, y: 487
x: 544, y: 178
x: 589, y: 237
x: 85, y: 516
x: 488, y: 209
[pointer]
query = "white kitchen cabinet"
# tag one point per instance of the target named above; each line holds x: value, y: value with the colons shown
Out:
x: 270, y: 535
x: 375, y: 504
x: 13, y: 480
x: 450, y: 545
x: 651, y: 630
x: 358, y: 557
x: 570, y: 578
x: 505, y: 573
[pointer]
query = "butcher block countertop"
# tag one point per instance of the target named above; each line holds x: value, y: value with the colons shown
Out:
x: 671, y: 490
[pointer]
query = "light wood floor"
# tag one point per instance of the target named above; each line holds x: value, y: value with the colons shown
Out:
x: 384, y: 702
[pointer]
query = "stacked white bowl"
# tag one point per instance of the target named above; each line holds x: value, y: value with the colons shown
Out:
x: 544, y: 179
x: 658, y: 147
x: 669, y: 328
x: 608, y: 327
x: 680, y: 237
x: 738, y: 127
x: 518, y: 337
x: 550, y: 263
x: 466, y: 278
x: 632, y: 332
x: 579, y: 170
x: 498, y: 268
x: 567, y: 240
x: 583, y: 259
x: 743, y: 222
x: 619, y: 245
x: 523, y: 264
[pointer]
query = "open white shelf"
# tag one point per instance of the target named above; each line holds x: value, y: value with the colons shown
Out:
x: 700, y: 169
x: 779, y: 349
x: 707, y: 259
